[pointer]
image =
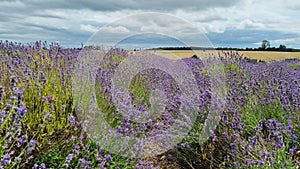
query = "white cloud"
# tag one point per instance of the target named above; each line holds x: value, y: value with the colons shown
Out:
x: 287, y: 42
x: 250, y: 24
x: 117, y: 29
x: 88, y: 28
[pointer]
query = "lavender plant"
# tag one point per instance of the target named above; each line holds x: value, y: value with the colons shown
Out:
x: 40, y: 126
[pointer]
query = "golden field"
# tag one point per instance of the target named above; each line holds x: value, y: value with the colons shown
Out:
x: 259, y: 55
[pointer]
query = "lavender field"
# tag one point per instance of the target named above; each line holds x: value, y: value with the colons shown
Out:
x: 40, y: 125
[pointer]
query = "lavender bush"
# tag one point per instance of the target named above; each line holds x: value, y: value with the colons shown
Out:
x: 40, y: 126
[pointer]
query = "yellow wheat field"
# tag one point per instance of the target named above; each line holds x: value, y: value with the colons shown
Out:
x: 262, y: 55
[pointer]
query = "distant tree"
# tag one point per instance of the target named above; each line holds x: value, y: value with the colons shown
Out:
x: 195, y: 56
x: 265, y: 44
x: 282, y: 47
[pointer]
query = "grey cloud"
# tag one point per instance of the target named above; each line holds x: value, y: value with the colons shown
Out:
x: 29, y: 20
x: 211, y: 18
x: 31, y: 32
x: 44, y: 27
x: 48, y: 16
x: 247, y: 37
x: 106, y: 5
x: 295, y: 8
x: 6, y: 17
x: 14, y: 13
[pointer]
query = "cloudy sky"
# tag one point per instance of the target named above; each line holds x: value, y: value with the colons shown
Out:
x: 226, y: 23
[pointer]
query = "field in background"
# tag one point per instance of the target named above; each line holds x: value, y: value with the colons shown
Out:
x: 262, y: 55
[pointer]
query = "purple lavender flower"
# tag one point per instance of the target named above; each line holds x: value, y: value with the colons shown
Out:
x: 249, y: 161
x: 5, y: 159
x: 260, y: 162
x: 9, y: 137
x: 1, y: 93
x: 72, y: 120
x: 170, y: 156
x: 68, y: 160
x: 47, y: 115
x: 41, y: 166
x: 108, y: 158
x: 23, y: 111
x: 192, y: 134
x: 281, y: 144
x: 101, y: 151
x: 292, y: 151
x: 31, y: 146
x: 22, y: 140
x: 294, y: 137
x: 119, y: 129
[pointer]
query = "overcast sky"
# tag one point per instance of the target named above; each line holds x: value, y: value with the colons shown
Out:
x: 227, y: 23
